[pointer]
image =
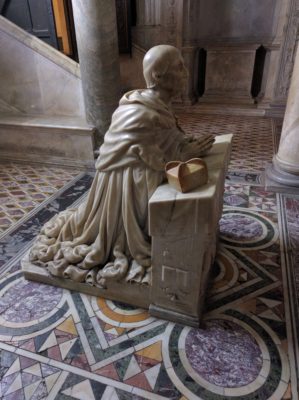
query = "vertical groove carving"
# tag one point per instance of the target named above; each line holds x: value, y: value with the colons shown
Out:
x: 288, y: 52
x: 148, y: 12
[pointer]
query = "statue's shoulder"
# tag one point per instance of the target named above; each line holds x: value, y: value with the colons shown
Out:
x: 140, y: 99
x: 139, y: 106
x: 135, y: 108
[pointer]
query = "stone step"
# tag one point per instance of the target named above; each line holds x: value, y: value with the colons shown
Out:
x: 59, y: 140
x: 222, y: 109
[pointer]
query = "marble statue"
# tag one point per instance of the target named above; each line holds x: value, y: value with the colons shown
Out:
x: 106, y: 237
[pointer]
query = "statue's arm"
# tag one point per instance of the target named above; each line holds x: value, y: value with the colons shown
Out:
x: 151, y: 155
x: 147, y: 126
x: 192, y: 146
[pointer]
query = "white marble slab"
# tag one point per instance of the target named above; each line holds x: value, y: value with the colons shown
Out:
x: 36, y: 79
x: 184, y: 229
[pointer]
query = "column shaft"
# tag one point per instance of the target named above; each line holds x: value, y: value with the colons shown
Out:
x: 285, y: 167
x: 96, y: 33
x: 287, y: 157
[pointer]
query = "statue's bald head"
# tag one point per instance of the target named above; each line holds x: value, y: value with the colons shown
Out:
x: 157, y: 62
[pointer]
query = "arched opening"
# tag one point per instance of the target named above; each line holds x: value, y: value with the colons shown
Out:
x: 258, y: 71
x: 202, y: 61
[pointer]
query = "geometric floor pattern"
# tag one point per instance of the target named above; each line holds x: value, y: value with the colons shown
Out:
x: 57, y: 344
x: 253, y: 142
x: 24, y: 187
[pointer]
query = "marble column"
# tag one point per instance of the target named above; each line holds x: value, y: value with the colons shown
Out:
x: 96, y: 33
x: 285, y: 168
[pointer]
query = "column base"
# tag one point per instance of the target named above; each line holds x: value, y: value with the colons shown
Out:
x: 277, y: 180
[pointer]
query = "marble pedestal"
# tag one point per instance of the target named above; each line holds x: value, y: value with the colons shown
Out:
x: 229, y: 71
x: 184, y: 229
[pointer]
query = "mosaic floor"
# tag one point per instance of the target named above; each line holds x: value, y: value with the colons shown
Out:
x: 23, y: 187
x: 57, y: 344
x: 253, y: 144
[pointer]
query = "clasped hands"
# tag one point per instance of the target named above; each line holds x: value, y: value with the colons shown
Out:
x: 196, y: 146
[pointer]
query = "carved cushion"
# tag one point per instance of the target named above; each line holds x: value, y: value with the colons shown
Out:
x: 186, y: 176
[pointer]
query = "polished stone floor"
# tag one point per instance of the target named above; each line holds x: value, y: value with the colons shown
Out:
x: 57, y: 344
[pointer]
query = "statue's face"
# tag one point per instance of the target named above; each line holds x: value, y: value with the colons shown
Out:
x: 164, y: 68
x: 178, y: 75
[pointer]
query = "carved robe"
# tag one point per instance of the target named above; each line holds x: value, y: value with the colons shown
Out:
x: 106, y: 237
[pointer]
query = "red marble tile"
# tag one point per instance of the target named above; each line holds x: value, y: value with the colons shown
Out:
x: 54, y: 352
x: 29, y: 345
x: 17, y: 193
x: 63, y: 336
x: 139, y: 381
x: 145, y: 362
x: 26, y: 362
x: 109, y: 371
x: 17, y: 395
x: 4, y: 221
x: 79, y: 361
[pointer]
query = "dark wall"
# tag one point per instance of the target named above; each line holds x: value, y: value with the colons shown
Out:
x: 242, y: 20
x: 34, y: 16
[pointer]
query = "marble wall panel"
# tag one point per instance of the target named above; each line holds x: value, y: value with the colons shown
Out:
x: 47, y: 144
x: 224, y: 20
x: 32, y: 82
x: 131, y: 71
x: 148, y: 12
x: 147, y: 36
x: 229, y: 74
x: 158, y: 22
x: 19, y: 80
x: 55, y: 85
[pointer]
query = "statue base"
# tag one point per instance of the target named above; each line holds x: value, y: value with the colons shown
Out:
x: 184, y: 228
x: 131, y: 293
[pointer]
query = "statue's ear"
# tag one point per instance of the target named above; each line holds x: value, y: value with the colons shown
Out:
x: 156, y: 76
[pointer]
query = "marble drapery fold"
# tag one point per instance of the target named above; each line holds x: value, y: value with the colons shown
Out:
x: 106, y: 237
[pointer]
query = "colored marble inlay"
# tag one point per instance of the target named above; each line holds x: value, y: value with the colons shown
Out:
x: 245, y: 196
x: 292, y: 213
x: 32, y: 302
x: 59, y: 344
x: 252, y: 145
x: 240, y: 227
x: 291, y: 209
x: 24, y: 187
x: 224, y: 354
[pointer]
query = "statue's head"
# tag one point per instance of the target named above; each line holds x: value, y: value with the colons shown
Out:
x: 163, y: 68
